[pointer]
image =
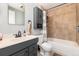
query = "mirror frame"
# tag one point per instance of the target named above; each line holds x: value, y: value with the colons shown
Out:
x: 15, y: 19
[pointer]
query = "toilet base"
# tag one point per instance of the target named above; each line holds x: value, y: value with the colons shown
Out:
x: 44, y: 53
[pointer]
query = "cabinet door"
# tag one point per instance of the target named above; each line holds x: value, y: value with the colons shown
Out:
x: 33, y: 54
x: 26, y: 52
x: 23, y: 52
x: 33, y: 50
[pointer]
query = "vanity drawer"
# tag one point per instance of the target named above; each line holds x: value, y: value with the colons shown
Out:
x: 32, y: 48
x: 34, y: 53
x: 21, y: 53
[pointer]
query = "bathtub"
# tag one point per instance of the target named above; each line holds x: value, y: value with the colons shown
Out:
x: 64, y: 47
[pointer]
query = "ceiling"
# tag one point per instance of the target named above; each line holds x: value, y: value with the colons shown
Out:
x: 17, y: 6
x: 47, y: 6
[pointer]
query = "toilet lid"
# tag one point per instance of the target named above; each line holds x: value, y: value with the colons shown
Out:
x: 46, y: 46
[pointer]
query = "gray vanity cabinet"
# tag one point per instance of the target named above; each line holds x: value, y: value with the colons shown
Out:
x: 33, y: 50
x: 22, y: 53
x: 27, y: 48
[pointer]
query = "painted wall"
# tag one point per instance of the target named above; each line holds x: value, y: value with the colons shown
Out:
x: 29, y: 16
x: 4, y: 26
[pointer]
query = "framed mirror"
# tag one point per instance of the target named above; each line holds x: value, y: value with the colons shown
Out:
x: 16, y: 14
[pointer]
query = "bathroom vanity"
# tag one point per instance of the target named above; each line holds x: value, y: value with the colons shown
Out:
x: 22, y: 46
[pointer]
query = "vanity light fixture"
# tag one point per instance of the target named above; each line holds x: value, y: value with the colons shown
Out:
x: 21, y: 5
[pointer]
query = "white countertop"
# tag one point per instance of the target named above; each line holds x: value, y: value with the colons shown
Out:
x: 8, y: 41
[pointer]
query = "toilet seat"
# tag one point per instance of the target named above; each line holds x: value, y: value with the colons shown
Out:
x: 46, y: 46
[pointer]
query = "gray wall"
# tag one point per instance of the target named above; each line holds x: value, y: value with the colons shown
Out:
x: 29, y: 16
x: 4, y: 26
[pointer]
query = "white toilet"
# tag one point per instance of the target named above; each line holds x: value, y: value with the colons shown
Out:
x: 46, y: 47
